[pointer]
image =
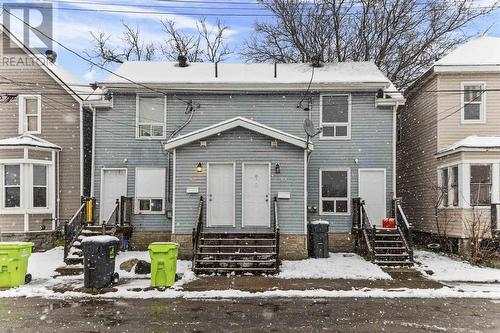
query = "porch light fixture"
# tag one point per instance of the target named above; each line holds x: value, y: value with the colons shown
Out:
x: 199, y: 168
x: 277, y: 168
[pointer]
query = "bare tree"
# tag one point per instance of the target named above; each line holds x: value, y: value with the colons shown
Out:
x: 403, y: 37
x: 132, y: 47
x: 216, y: 47
x: 181, y: 43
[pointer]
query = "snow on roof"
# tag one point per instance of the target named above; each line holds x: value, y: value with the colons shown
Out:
x: 483, y: 50
x: 233, y: 123
x: 28, y: 140
x: 170, y: 72
x: 474, y: 142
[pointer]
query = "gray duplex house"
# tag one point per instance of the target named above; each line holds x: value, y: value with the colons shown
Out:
x: 222, y: 147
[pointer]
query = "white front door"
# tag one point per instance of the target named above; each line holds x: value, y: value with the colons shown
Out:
x: 256, y: 195
x: 372, y: 189
x: 220, y: 190
x: 113, y: 186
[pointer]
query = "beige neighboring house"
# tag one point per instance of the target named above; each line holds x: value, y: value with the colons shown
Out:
x: 42, y: 163
x: 449, y: 143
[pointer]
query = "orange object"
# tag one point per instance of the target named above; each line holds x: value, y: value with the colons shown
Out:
x: 389, y: 223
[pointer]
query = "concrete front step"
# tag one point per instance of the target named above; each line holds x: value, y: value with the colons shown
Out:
x: 70, y: 270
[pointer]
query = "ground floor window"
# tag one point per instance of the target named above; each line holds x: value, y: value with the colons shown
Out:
x: 39, y: 186
x: 480, y: 184
x: 334, y: 191
x: 150, y: 190
x: 448, y: 187
x: 12, y: 186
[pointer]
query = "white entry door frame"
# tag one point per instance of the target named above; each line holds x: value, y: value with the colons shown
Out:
x: 372, y: 184
x: 113, y: 186
x: 256, y: 200
x: 221, y: 194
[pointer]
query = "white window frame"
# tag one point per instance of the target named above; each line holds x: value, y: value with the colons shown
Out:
x: 482, y: 103
x: 46, y: 186
x: 492, y: 187
x: 137, y: 209
x: 450, y: 192
x: 23, y: 118
x: 348, y: 170
x: 137, y: 123
x: 26, y: 181
x: 328, y: 124
x: 3, y: 187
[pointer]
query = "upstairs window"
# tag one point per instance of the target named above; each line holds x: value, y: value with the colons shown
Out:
x: 12, y: 186
x: 39, y: 186
x: 334, y: 191
x: 473, y: 107
x: 480, y: 184
x: 150, y: 190
x: 336, y: 117
x: 151, y: 117
x: 30, y: 114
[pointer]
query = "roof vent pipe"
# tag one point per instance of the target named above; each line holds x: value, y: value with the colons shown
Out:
x: 51, y: 55
x: 182, y: 60
x: 275, y: 70
x: 216, y: 70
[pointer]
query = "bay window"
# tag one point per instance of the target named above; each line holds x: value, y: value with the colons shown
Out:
x: 334, y: 191
x: 335, y: 116
x: 150, y: 117
x: 12, y: 186
x: 39, y: 186
x: 448, y: 187
x: 480, y: 184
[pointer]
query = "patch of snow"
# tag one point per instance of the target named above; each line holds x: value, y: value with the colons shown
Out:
x: 100, y: 239
x: 473, y: 53
x: 28, y: 140
x: 445, y: 268
x: 319, y: 222
x: 474, y: 141
x: 42, y: 265
x: 337, y: 266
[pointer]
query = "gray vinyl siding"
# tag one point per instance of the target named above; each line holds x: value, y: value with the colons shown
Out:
x: 241, y: 145
x: 117, y: 147
x: 371, y: 143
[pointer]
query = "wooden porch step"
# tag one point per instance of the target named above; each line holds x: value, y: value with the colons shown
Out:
x: 239, y: 239
x: 388, y: 241
x: 236, y: 246
x: 216, y: 261
x: 393, y: 263
x: 390, y: 248
x: 391, y: 254
x: 233, y: 269
x: 237, y: 253
x: 70, y: 270
x: 387, y: 235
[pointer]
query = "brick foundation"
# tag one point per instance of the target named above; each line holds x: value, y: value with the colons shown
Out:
x: 141, y: 239
x: 43, y: 240
x: 185, y: 245
x: 293, y: 247
x: 340, y: 242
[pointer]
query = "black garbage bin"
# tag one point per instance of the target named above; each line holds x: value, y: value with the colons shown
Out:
x: 99, y: 261
x: 318, y: 239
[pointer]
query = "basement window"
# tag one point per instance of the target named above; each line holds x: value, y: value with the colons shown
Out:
x: 151, y: 117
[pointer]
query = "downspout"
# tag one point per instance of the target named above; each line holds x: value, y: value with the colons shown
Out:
x: 394, y: 153
x: 92, y: 163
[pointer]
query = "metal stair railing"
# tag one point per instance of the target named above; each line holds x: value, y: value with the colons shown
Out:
x: 276, y: 233
x: 72, y: 228
x: 404, y: 227
x: 363, y: 229
x: 195, y: 238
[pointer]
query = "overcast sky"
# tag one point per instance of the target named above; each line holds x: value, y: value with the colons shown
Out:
x: 74, y: 19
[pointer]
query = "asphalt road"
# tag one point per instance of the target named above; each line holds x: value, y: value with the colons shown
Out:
x: 250, y: 315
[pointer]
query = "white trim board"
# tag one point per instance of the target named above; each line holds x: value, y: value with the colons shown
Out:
x: 233, y: 123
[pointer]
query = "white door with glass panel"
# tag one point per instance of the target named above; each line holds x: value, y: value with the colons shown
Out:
x: 372, y: 190
x: 113, y: 186
x: 256, y: 195
x: 220, y: 194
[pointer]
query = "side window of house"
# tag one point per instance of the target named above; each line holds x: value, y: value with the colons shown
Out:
x: 150, y: 190
x: 150, y: 116
x: 480, y: 184
x: 444, y: 188
x: 454, y: 186
x: 449, y: 187
x: 12, y: 186
x: 335, y: 116
x: 39, y: 186
x: 334, y: 191
x: 473, y: 110
x: 30, y: 113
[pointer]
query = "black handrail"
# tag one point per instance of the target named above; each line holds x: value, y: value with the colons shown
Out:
x: 404, y: 227
x: 276, y: 233
x: 74, y: 226
x: 363, y: 228
x: 195, y: 239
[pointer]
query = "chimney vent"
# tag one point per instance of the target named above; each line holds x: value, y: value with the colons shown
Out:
x: 51, y: 55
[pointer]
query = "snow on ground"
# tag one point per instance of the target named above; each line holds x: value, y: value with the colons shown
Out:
x: 42, y: 265
x: 445, y: 269
x: 337, y: 266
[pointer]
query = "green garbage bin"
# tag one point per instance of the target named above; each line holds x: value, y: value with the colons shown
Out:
x: 14, y: 263
x: 163, y: 263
